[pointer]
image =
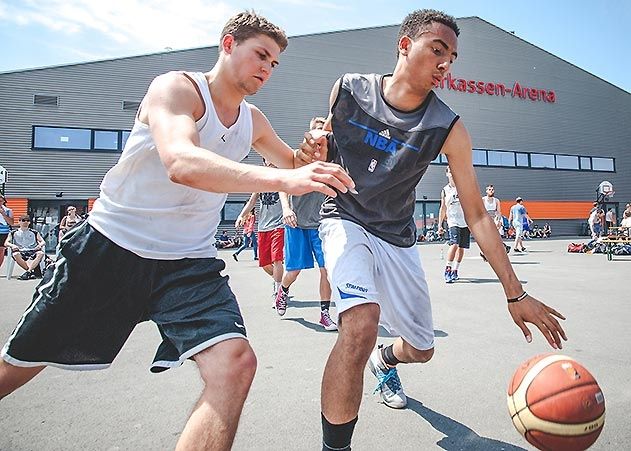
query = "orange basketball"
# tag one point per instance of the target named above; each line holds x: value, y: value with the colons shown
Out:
x: 556, y: 404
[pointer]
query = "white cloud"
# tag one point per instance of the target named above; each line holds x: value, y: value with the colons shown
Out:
x: 135, y: 24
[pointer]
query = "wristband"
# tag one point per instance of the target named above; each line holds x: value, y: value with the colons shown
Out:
x: 518, y: 298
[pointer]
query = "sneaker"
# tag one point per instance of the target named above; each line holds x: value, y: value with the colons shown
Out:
x: 26, y: 276
x: 448, y: 275
x: 483, y: 257
x: 508, y: 248
x: 454, y: 275
x: 235, y: 257
x: 281, y: 301
x: 389, y: 382
x: 517, y: 250
x: 326, y: 321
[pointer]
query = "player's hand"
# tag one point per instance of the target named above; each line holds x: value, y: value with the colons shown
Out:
x: 441, y: 230
x: 314, y: 147
x: 239, y: 222
x: 289, y: 217
x: 530, y: 310
x: 326, y: 178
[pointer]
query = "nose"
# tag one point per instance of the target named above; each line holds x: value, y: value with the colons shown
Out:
x: 443, y: 66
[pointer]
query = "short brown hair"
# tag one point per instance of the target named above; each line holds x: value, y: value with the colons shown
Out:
x: 248, y: 24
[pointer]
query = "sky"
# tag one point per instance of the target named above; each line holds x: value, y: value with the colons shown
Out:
x: 39, y: 33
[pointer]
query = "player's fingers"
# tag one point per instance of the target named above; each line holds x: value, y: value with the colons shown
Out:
x: 546, y: 333
x: 553, y: 331
x: 525, y: 330
x: 324, y: 189
x: 337, y: 171
x: 555, y: 313
x: 557, y: 326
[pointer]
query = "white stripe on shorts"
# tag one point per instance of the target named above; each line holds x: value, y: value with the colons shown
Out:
x: 365, y: 269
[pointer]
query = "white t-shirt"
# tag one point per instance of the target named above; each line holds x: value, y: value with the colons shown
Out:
x: 455, y: 215
x: 143, y: 211
x: 609, y: 216
x: 490, y: 203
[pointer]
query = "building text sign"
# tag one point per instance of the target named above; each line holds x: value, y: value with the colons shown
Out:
x: 515, y: 90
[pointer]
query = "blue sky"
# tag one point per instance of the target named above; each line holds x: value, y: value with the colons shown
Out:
x: 37, y: 33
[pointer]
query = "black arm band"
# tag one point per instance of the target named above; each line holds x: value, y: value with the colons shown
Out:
x: 518, y: 298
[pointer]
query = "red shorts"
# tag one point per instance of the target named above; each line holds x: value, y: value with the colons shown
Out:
x: 271, y: 245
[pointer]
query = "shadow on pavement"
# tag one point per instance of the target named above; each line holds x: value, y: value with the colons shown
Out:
x: 526, y: 263
x: 383, y: 333
x: 478, y: 280
x: 457, y: 435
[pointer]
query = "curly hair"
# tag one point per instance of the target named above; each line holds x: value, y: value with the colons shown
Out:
x: 419, y: 20
x: 248, y: 24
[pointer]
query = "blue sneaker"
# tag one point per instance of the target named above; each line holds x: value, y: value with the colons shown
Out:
x: 389, y: 383
x: 448, y: 275
x: 454, y: 275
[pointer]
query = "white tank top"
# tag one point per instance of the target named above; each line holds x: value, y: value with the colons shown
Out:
x: 143, y: 211
x: 490, y: 203
x: 455, y: 215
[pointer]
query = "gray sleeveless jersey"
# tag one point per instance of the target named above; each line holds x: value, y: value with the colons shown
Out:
x: 386, y: 152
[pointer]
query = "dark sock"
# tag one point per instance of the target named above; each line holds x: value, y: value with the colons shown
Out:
x: 285, y: 289
x: 387, y: 354
x: 337, y: 436
x: 324, y: 305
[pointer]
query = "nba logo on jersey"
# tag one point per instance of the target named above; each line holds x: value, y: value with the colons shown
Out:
x: 372, y: 166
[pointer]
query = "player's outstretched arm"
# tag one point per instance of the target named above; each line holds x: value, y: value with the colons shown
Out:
x: 522, y: 307
x: 170, y: 108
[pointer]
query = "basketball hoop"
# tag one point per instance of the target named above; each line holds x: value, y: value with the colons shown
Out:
x: 605, y: 189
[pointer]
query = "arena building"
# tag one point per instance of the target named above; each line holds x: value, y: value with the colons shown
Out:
x: 542, y: 128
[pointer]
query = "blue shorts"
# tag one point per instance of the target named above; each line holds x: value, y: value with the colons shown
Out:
x: 302, y: 247
x: 460, y: 236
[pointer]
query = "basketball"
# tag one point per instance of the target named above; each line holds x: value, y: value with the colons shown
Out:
x: 556, y: 404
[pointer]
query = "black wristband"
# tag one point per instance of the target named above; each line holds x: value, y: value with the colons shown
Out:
x: 518, y: 298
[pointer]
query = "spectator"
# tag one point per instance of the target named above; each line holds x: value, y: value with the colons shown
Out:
x: 69, y: 221
x: 626, y: 222
x: 248, y: 222
x: 594, y: 222
x: 6, y: 221
x: 224, y: 241
x: 28, y: 248
x: 519, y: 215
x: 610, y: 219
x: 547, y: 230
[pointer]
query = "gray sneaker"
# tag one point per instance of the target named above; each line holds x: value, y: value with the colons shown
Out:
x: 389, y: 382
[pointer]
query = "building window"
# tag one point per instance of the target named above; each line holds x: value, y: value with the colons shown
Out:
x: 586, y: 163
x: 479, y: 157
x: 567, y: 162
x: 602, y: 164
x: 106, y: 140
x: 542, y: 160
x: 498, y: 158
x: 522, y: 159
x: 62, y: 138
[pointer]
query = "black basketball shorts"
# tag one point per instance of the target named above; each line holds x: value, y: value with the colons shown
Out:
x: 85, y: 309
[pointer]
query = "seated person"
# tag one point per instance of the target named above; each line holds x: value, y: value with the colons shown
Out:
x: 626, y: 222
x: 69, y: 221
x: 224, y: 241
x: 28, y: 247
x: 547, y: 230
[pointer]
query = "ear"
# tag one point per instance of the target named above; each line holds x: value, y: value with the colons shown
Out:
x: 405, y: 43
x: 227, y: 43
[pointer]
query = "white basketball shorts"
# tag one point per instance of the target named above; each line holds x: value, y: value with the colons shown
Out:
x: 363, y: 268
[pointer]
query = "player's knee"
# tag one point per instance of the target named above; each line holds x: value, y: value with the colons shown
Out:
x: 234, y: 364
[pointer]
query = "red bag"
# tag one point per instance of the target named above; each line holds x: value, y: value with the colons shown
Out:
x: 576, y: 247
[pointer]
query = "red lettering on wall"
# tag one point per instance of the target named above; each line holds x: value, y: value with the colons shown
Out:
x: 496, y: 89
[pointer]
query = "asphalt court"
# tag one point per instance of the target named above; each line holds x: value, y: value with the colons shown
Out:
x: 456, y: 402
